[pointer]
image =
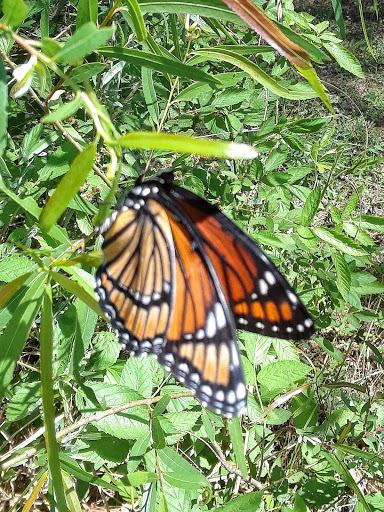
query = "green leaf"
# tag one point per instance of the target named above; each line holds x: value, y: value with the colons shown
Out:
x: 342, y: 469
x: 161, y: 406
x: 26, y: 399
x: 137, y: 19
x: 68, y: 187
x: 130, y: 424
x: 341, y: 242
x: 85, y: 40
x: 282, y: 374
x: 184, y: 144
x: 16, y: 333
x: 136, y: 375
x: 14, y: 266
x: 371, y: 222
x: 105, y: 351
x: 254, y: 71
x: 9, y: 290
x: 246, y: 503
x: 70, y: 492
x: 74, y: 469
x: 183, y: 480
x: 311, y: 206
x: 139, y: 448
x: 339, y: 17
x: 345, y: 58
x: 179, y: 466
x: 158, y: 436
x: 350, y: 206
x: 141, y: 477
x: 157, y: 62
x: 276, y: 158
x: 3, y: 107
x: 313, y: 79
x: 215, y: 9
x: 63, y: 111
x: 150, y: 94
x: 86, y: 11
x: 14, y: 12
x: 78, y: 290
x: 236, y: 435
x: 343, y: 275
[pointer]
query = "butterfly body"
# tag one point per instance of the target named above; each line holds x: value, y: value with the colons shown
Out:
x: 178, y: 277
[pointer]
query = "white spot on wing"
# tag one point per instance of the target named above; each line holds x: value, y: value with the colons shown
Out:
x: 211, y: 329
x: 308, y: 322
x: 292, y: 297
x: 270, y: 278
x: 220, y: 316
x: 219, y: 395
x: 263, y: 287
x: 241, y: 391
x: 206, y: 390
x: 300, y: 328
x: 200, y: 334
x: 231, y: 397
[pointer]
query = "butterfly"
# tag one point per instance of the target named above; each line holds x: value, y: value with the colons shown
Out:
x: 178, y: 278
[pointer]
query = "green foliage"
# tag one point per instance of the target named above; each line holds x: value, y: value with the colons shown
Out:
x: 177, y: 83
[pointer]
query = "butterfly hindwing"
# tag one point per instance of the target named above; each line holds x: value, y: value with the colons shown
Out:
x: 202, y: 350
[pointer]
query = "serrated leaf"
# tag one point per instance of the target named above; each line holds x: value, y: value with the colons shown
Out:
x: 106, y: 351
x: 341, y: 242
x: 130, y: 424
x: 350, y: 206
x: 343, y: 275
x: 136, y: 375
x: 85, y: 40
x: 345, y: 58
x: 282, y: 374
x: 14, y: 266
x: 276, y: 158
x: 25, y: 400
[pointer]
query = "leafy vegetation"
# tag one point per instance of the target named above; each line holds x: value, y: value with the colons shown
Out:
x: 303, y: 182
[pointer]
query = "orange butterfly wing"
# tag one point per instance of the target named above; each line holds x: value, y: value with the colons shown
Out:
x: 259, y: 297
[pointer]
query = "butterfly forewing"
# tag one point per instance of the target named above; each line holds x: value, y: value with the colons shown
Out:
x: 201, y: 350
x: 135, y: 282
x: 259, y: 297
